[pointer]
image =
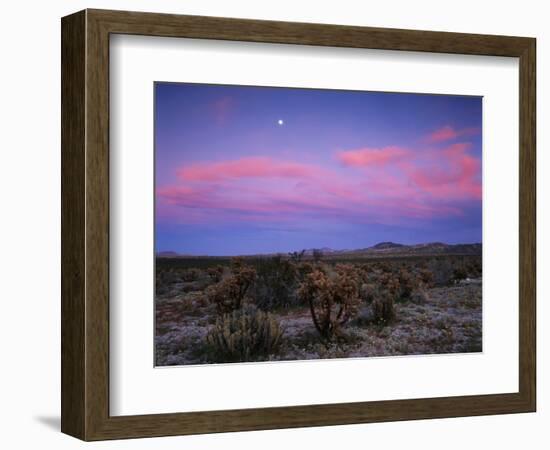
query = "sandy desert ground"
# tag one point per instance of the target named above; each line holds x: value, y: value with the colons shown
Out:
x: 292, y: 307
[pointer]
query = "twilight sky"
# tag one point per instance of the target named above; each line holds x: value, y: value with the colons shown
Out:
x: 246, y: 170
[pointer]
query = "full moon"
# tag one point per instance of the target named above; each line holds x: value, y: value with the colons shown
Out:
x: 280, y: 122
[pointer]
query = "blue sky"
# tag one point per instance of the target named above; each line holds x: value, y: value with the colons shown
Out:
x: 247, y: 170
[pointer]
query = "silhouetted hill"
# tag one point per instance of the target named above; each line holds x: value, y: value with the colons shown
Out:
x: 380, y: 249
x: 386, y: 245
x: 431, y: 248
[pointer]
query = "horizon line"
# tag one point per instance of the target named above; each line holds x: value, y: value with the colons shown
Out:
x: 332, y: 250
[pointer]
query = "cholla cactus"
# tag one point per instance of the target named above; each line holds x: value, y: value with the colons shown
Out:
x: 332, y: 301
x: 303, y: 269
x: 244, y: 335
x: 426, y: 278
x: 383, y: 304
x: 407, y: 284
x: 237, y: 263
x: 228, y: 294
x: 275, y: 285
x: 367, y: 292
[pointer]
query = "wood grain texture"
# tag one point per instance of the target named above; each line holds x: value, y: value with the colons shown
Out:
x: 85, y: 224
x: 97, y: 225
x: 73, y: 226
x: 151, y: 24
x: 527, y: 224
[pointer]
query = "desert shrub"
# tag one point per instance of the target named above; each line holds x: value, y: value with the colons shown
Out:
x: 332, y: 300
x: 383, y: 310
x: 247, y: 334
x: 459, y: 274
x: 199, y: 299
x: 383, y: 304
x: 425, y: 277
x: 160, y: 287
x: 215, y: 273
x: 475, y: 269
x: 442, y: 270
x: 275, y: 285
x: 303, y: 269
x: 367, y: 292
x: 228, y: 295
x: 190, y: 275
x: 199, y: 285
x: 407, y: 284
x: 236, y: 263
x: 165, y: 280
x: 296, y: 257
x: 317, y: 255
x: 368, y: 273
x: 384, y: 266
x: 168, y: 276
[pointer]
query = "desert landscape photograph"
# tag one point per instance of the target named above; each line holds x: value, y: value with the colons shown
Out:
x: 305, y: 224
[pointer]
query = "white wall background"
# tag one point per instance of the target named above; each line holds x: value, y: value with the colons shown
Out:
x: 30, y: 224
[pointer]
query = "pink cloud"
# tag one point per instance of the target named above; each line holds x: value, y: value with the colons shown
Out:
x: 230, y: 203
x: 388, y: 185
x: 233, y: 204
x: 456, y: 175
x: 252, y: 167
x: 448, y: 133
x: 442, y: 134
x: 372, y: 156
x: 184, y: 195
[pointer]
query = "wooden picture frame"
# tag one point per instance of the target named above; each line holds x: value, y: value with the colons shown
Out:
x: 85, y: 224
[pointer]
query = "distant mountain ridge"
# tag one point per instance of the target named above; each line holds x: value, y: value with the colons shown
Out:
x: 382, y: 248
x: 394, y: 248
x: 385, y: 245
x: 428, y: 248
x: 168, y: 254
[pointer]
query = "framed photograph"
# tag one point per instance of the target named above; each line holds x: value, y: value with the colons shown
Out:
x: 273, y: 225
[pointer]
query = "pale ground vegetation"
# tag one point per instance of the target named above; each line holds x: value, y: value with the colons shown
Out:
x: 294, y: 308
